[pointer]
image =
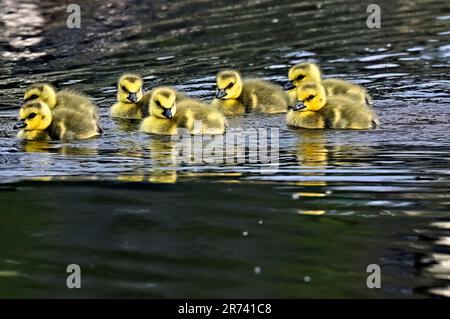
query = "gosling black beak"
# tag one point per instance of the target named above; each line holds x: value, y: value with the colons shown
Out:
x: 220, y: 94
x: 299, y: 106
x: 20, y: 124
x: 132, y: 97
x: 167, y: 113
x: 289, y: 86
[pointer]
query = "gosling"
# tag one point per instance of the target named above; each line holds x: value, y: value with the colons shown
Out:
x: 68, y: 99
x: 168, y: 115
x: 132, y: 103
x: 235, y: 96
x: 316, y: 110
x: 129, y: 94
x: 37, y: 122
x: 305, y: 72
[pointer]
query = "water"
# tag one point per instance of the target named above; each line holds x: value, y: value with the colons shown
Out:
x: 143, y: 222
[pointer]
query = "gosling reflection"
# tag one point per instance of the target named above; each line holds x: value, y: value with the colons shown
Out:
x: 126, y: 125
x: 312, y: 157
x: 163, y: 162
x: 56, y: 148
x: 36, y: 146
x: 322, y: 158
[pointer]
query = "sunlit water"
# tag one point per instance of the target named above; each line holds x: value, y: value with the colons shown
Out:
x: 143, y: 221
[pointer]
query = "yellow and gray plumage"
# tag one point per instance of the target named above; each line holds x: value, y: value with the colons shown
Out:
x: 235, y: 96
x: 130, y: 104
x: 316, y: 110
x: 38, y: 122
x: 310, y: 72
x: 70, y: 99
x: 168, y: 115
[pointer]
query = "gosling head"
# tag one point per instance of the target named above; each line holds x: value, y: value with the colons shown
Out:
x: 34, y: 116
x: 40, y: 92
x: 310, y: 96
x: 162, y: 103
x: 229, y: 85
x: 301, y: 73
x: 129, y: 88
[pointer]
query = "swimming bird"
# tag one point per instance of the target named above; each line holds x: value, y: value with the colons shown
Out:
x: 38, y: 122
x: 307, y: 71
x: 168, y: 115
x: 70, y: 99
x: 316, y: 110
x: 129, y: 94
x: 132, y: 103
x: 235, y: 96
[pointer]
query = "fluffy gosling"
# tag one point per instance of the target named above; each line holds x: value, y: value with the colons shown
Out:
x: 316, y: 110
x: 235, y: 96
x: 129, y: 93
x: 306, y: 72
x: 38, y: 122
x: 167, y: 115
x: 69, y: 99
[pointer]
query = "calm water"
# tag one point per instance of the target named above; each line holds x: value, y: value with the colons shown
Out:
x: 143, y: 222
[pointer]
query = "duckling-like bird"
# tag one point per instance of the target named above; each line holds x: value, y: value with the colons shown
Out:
x: 167, y: 115
x: 132, y: 103
x: 306, y: 72
x: 38, y: 122
x: 200, y: 118
x: 316, y: 110
x: 129, y: 97
x: 235, y: 96
x: 72, y: 100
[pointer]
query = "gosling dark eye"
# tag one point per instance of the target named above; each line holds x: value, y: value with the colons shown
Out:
x: 300, y: 77
x: 31, y: 116
x: 230, y: 85
x: 310, y: 97
x: 158, y: 103
x: 124, y: 88
x: 31, y: 97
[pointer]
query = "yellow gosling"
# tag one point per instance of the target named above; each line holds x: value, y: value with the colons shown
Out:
x: 38, y: 122
x: 69, y: 99
x: 129, y: 93
x: 314, y: 110
x: 168, y: 115
x: 235, y: 96
x: 307, y: 72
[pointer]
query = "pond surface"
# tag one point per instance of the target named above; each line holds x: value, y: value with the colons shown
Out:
x: 142, y: 220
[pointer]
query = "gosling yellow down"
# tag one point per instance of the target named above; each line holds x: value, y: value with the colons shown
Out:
x: 38, y: 122
x: 129, y: 94
x: 316, y: 110
x: 235, y: 96
x: 132, y: 103
x: 168, y: 115
x: 306, y: 72
x: 69, y: 99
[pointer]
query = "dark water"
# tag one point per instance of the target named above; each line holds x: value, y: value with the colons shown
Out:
x: 141, y: 221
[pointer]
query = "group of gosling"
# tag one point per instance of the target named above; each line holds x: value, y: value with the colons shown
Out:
x: 310, y: 102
